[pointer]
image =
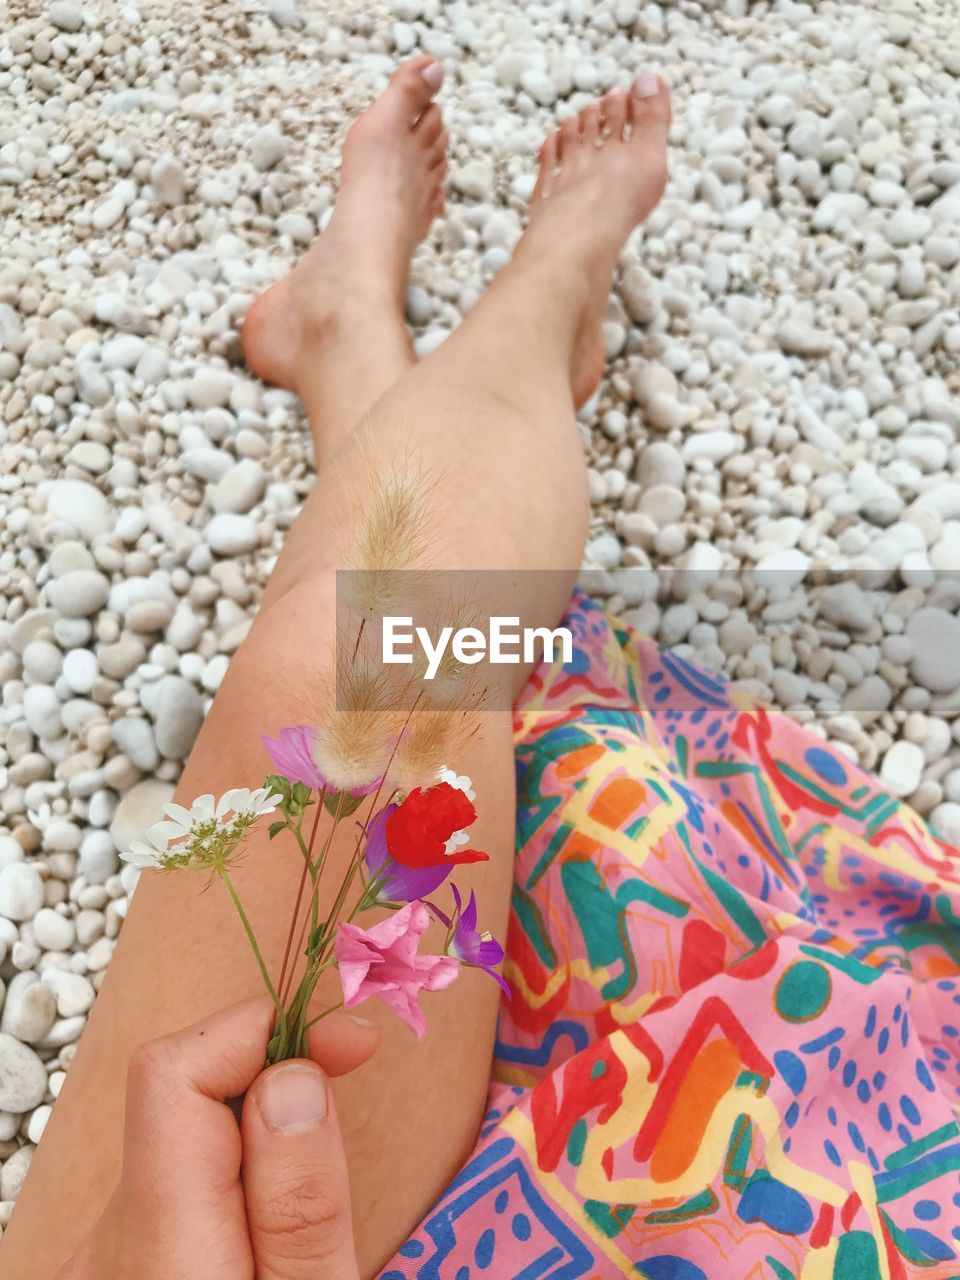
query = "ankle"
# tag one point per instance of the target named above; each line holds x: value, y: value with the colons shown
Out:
x: 564, y: 292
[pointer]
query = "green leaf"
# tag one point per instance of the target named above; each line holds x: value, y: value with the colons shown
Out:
x: 342, y: 800
x: 275, y: 828
x: 315, y: 939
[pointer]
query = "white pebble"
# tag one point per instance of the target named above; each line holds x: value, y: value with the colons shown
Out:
x: 902, y: 768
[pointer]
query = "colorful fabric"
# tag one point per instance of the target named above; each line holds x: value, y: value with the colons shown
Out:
x: 733, y: 1047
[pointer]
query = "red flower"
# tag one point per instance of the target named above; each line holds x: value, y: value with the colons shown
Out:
x: 418, y: 830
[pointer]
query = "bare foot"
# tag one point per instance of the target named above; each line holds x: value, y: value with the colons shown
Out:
x: 354, y: 275
x: 602, y: 172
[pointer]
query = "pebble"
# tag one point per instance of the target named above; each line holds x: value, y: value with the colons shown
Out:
x: 79, y: 594
x: 81, y: 505
x: 98, y: 857
x: 902, y: 768
x: 935, y: 636
x: 210, y: 388
x: 179, y: 716
x: 21, y: 892
x: 206, y: 464
x: 665, y: 413
x: 945, y: 820
x: 167, y: 180
x: 65, y: 16
x: 663, y: 504
x: 908, y: 226
x: 53, y: 931
x: 81, y: 670
x: 241, y: 488
x: 711, y: 446
x: 73, y: 992
x: 108, y: 213
x: 23, y: 1080
x: 120, y: 659
x: 660, y: 463
x: 14, y: 1171
x: 135, y: 738
x: 474, y: 180
x: 122, y: 352
x: 804, y: 340
x: 29, y: 1011
x: 604, y: 550
x: 782, y: 570
x: 232, y: 535
x: 139, y: 808
x: 283, y: 13
x: 267, y: 147
x: 846, y: 605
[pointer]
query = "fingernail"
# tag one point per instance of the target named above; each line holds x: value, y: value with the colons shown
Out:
x: 433, y: 75
x: 361, y: 1022
x: 646, y: 85
x: 293, y: 1098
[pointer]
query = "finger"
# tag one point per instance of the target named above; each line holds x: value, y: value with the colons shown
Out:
x: 295, y: 1177
x: 181, y: 1140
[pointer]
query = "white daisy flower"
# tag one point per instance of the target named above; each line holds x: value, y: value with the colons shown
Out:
x: 459, y: 781
x: 236, y: 801
x: 149, y: 851
x: 206, y: 834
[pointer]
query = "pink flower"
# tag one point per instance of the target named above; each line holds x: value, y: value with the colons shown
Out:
x: 292, y: 755
x: 383, y: 962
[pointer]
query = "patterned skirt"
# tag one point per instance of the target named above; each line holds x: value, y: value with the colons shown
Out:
x: 733, y: 1047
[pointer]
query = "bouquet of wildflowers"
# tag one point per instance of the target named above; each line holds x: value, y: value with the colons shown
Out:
x: 381, y: 772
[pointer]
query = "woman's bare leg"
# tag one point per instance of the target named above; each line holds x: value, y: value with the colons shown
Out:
x: 491, y: 411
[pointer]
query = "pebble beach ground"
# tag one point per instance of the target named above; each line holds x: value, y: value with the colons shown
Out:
x: 780, y: 417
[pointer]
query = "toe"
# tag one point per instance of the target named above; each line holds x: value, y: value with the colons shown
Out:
x: 549, y: 155
x: 411, y: 88
x: 430, y: 125
x: 649, y: 102
x: 590, y: 125
x: 438, y: 152
x: 569, y: 137
x: 614, y: 111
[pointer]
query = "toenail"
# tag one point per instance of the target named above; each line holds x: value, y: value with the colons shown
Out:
x: 433, y: 75
x: 646, y: 85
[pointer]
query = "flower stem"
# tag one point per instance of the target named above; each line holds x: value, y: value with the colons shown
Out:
x: 248, y: 929
x: 320, y: 1016
x: 321, y: 858
x: 296, y: 1045
x: 308, y: 869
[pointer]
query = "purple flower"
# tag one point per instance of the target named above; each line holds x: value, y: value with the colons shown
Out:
x: 397, y: 883
x: 292, y: 754
x: 480, y: 950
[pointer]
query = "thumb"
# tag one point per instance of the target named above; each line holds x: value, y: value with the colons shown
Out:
x: 295, y: 1177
